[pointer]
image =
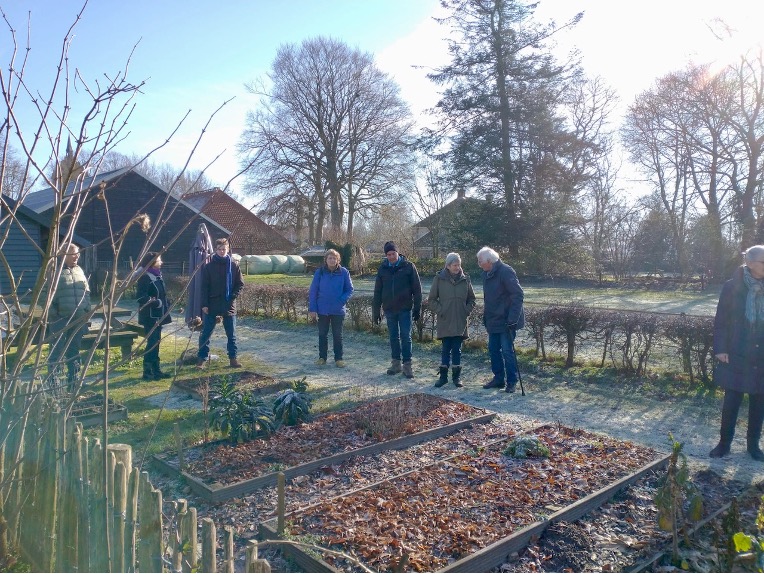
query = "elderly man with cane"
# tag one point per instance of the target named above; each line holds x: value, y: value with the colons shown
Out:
x: 502, y: 317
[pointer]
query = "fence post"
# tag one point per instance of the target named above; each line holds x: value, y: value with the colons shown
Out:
x: 83, y: 507
x: 176, y: 534
x: 188, y: 539
x: 280, y: 503
x: 150, y: 533
x: 120, y: 508
x: 131, y: 515
x: 228, y: 564
x: 255, y: 564
x: 178, y: 445
x: 209, y: 545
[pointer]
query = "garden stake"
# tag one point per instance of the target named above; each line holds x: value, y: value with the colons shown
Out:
x: 517, y: 368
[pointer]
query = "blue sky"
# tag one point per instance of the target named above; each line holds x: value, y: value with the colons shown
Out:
x: 197, y: 54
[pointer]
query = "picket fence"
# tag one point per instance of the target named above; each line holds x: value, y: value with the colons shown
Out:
x: 61, y: 512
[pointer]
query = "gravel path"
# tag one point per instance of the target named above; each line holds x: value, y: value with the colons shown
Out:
x: 289, y: 351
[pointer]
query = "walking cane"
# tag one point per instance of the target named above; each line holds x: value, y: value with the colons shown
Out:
x: 517, y: 368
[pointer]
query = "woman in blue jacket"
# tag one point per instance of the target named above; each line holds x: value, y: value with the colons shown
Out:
x: 330, y: 290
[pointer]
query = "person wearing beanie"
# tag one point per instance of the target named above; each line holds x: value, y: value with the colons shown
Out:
x: 397, y: 291
x: 451, y: 299
x: 738, y: 340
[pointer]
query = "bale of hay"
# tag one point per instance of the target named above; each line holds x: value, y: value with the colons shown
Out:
x: 280, y: 263
x: 296, y: 264
x: 257, y: 265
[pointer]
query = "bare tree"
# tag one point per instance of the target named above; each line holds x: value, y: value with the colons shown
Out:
x: 334, y: 127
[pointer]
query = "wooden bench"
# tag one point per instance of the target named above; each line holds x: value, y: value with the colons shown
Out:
x: 123, y: 339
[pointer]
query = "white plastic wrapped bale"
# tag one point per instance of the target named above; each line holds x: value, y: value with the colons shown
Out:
x: 280, y: 263
x: 296, y: 264
x: 257, y: 265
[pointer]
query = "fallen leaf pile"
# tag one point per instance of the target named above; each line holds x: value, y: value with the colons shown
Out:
x: 454, y: 508
x: 324, y: 436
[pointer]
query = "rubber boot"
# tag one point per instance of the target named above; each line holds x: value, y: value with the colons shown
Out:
x: 443, y: 370
x: 407, y: 371
x: 157, y: 371
x: 395, y: 367
x: 456, y: 375
x: 755, y: 420
x: 148, y: 370
x: 730, y: 409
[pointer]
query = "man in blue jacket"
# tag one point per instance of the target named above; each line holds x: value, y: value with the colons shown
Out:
x: 398, y: 291
x: 503, y: 316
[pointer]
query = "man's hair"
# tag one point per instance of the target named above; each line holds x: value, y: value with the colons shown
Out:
x: 65, y: 249
x: 754, y: 253
x: 487, y: 255
x: 221, y: 241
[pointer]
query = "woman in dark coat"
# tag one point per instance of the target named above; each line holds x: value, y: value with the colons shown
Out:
x: 739, y: 349
x: 153, y: 312
x: 452, y: 299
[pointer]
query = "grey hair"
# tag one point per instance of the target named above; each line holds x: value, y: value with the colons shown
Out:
x: 453, y: 258
x: 487, y: 255
x: 754, y: 253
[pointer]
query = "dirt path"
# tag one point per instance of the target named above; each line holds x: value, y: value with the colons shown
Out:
x: 289, y: 351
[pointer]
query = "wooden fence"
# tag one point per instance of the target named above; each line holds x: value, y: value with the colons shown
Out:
x: 62, y: 510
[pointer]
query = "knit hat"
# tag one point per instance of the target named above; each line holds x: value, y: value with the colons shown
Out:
x: 390, y: 246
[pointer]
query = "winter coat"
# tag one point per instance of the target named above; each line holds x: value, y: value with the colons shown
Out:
x: 330, y: 291
x: 152, y: 286
x: 397, y: 287
x: 452, y: 300
x: 745, y: 346
x: 71, y: 301
x: 502, y: 299
x: 213, y: 292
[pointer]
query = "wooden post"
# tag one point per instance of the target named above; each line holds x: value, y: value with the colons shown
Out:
x: 176, y: 534
x: 228, y: 564
x: 281, y: 503
x: 83, y: 509
x: 178, y: 445
x: 122, y: 453
x: 131, y: 523
x: 189, y: 540
x: 150, y: 518
x: 255, y: 564
x: 120, y: 509
x: 209, y: 545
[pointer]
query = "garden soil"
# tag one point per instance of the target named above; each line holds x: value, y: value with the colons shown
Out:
x: 289, y: 351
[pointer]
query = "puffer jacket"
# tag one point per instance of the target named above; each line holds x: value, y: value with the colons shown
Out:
x: 452, y: 300
x: 330, y: 291
x: 743, y: 343
x: 397, y: 287
x: 152, y: 286
x: 71, y: 300
x: 502, y: 298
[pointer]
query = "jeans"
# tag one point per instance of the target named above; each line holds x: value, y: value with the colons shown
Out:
x: 502, y: 353
x: 324, y: 322
x: 208, y: 325
x: 451, y: 351
x: 399, y: 327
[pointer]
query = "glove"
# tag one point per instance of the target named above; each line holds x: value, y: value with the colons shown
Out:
x: 512, y: 326
x: 415, y: 315
x: 157, y: 303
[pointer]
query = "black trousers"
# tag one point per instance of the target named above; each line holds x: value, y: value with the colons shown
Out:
x: 324, y: 321
x: 730, y: 409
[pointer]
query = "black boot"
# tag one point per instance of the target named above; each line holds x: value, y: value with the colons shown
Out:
x: 148, y: 370
x: 755, y: 420
x: 157, y: 371
x: 443, y: 370
x: 456, y: 374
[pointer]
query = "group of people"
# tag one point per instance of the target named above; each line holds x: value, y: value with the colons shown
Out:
x: 738, y: 325
x: 398, y: 295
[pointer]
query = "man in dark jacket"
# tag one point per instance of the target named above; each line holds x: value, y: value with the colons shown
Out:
x: 502, y: 317
x: 221, y: 284
x: 398, y: 291
x: 738, y: 341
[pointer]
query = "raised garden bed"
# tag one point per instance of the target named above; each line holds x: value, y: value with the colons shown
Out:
x: 219, y: 471
x: 469, y: 512
x: 88, y: 410
x: 245, y: 380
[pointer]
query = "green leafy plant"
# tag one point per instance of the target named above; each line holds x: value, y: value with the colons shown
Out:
x: 676, y: 491
x: 527, y: 446
x: 239, y: 415
x: 292, y: 407
x: 744, y: 547
x: 300, y: 385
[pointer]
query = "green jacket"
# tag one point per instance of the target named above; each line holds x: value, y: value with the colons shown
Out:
x: 452, y: 301
x: 72, y: 297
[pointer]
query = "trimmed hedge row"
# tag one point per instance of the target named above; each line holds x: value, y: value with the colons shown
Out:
x: 630, y: 341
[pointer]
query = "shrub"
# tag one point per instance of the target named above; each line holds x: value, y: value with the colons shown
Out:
x: 292, y: 407
x: 239, y: 415
x: 527, y: 446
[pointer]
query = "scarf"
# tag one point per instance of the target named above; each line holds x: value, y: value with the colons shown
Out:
x: 754, y: 302
x: 155, y: 271
x: 454, y: 276
x: 228, y: 273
